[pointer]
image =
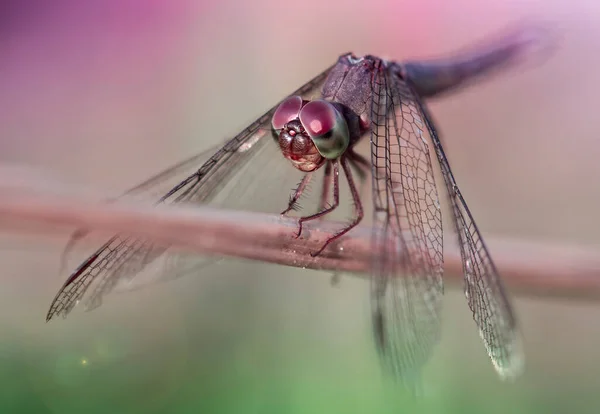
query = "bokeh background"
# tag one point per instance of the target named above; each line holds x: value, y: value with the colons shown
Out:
x: 106, y: 93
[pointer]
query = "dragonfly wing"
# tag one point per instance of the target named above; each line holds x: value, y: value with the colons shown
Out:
x: 406, y: 287
x: 241, y: 174
x: 485, y: 292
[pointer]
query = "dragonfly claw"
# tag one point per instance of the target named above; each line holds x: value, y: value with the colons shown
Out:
x: 318, y: 252
x: 299, y: 232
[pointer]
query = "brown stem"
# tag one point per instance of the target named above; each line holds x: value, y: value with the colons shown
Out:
x: 533, y: 269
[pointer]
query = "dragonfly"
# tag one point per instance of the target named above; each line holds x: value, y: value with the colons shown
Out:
x: 317, y: 129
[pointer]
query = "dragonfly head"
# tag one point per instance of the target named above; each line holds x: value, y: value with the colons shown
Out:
x: 310, y: 132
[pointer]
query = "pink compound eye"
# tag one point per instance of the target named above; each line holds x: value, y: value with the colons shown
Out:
x: 286, y: 111
x: 318, y: 118
x: 326, y: 127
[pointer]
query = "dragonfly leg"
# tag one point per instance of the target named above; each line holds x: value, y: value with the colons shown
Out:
x: 359, y: 213
x: 360, y: 162
x: 326, y: 184
x: 336, y: 200
x: 335, y: 277
x: 297, y: 194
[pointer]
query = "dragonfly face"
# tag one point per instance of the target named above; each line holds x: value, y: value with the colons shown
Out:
x: 309, y: 133
x: 299, y: 148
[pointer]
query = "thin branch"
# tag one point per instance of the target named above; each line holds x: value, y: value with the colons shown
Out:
x: 532, y: 269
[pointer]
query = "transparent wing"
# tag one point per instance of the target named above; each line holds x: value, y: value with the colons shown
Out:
x: 484, y: 289
x: 407, y: 274
x: 245, y: 173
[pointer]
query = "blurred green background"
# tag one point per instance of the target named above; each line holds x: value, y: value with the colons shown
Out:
x: 106, y: 93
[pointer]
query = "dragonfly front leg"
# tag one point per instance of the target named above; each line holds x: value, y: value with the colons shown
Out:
x: 293, y: 204
x: 359, y: 213
x: 325, y: 191
x: 336, y: 199
x: 362, y: 168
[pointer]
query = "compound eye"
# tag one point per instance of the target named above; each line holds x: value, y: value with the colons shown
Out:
x: 286, y: 111
x: 326, y: 127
